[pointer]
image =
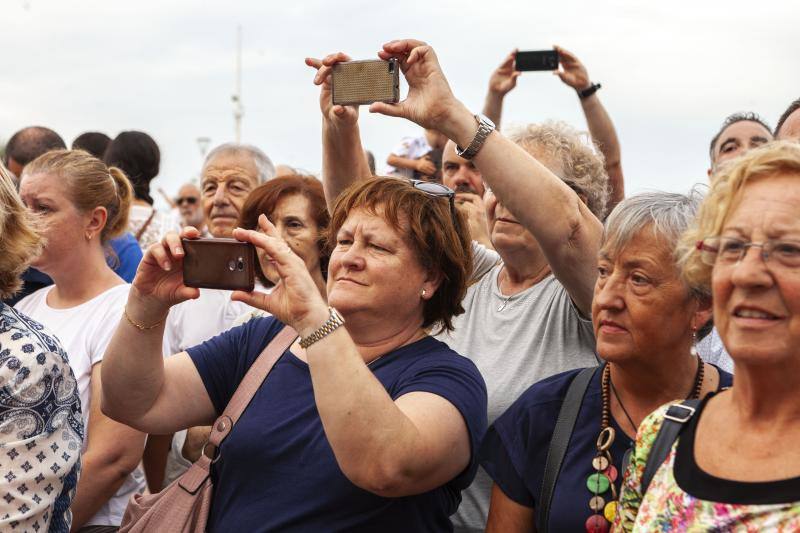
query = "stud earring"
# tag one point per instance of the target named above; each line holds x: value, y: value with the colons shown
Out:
x: 423, y: 293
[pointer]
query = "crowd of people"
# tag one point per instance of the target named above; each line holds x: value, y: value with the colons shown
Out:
x: 494, y: 337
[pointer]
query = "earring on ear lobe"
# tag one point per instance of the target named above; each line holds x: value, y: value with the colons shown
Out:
x: 88, y: 235
x: 693, y: 349
x: 423, y: 293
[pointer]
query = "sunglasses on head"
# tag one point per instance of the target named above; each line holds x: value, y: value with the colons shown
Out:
x: 431, y: 188
x: 191, y: 200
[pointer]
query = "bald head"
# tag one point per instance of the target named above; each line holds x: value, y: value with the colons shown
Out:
x: 458, y: 173
x: 29, y: 143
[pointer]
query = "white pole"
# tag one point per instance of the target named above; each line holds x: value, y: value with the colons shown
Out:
x: 238, y: 108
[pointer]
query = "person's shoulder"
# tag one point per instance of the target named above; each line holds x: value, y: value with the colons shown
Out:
x: 116, y: 296
x: 33, y: 300
x: 18, y: 326
x: 549, y: 391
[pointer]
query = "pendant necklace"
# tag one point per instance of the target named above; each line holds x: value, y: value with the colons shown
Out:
x: 605, y: 473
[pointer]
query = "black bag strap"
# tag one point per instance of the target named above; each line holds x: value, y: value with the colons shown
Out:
x: 562, y: 434
x: 674, y: 421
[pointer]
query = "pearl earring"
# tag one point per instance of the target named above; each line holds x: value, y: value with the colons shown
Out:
x: 423, y: 293
x: 693, y: 349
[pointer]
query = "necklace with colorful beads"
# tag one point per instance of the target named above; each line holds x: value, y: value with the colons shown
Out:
x: 605, y: 473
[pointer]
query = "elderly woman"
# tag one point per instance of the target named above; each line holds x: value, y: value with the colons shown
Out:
x: 527, y: 313
x: 645, y: 318
x: 40, y: 410
x: 735, y: 464
x: 82, y: 204
x: 373, y: 425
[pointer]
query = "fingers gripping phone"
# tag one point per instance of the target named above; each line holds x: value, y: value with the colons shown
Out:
x: 364, y: 82
x: 219, y: 264
x: 536, y: 60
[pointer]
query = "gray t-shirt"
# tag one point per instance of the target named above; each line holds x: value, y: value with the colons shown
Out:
x: 514, y: 342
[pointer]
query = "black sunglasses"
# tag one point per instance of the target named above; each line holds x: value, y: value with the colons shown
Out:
x: 431, y: 188
x: 191, y: 200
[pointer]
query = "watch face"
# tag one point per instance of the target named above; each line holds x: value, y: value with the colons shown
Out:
x: 486, y: 120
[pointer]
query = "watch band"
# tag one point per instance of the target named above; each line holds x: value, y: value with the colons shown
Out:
x: 485, y: 127
x: 334, y: 321
x: 589, y: 91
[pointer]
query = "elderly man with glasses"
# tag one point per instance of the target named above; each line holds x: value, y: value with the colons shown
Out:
x: 191, y: 212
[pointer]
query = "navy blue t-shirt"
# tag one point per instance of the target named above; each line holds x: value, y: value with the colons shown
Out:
x: 277, y: 471
x: 514, y: 450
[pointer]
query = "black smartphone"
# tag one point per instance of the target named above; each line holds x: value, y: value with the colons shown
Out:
x: 219, y: 264
x: 536, y: 60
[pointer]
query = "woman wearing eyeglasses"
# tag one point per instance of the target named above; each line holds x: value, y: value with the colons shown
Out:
x: 735, y: 464
x: 366, y: 423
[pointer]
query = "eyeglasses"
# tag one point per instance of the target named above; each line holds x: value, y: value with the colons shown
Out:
x: 191, y: 200
x: 730, y: 251
x: 431, y: 188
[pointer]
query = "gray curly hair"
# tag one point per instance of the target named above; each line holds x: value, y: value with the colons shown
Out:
x: 582, y: 167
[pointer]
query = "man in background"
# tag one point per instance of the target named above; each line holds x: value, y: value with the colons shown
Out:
x: 788, y: 127
x: 191, y: 212
x: 739, y: 133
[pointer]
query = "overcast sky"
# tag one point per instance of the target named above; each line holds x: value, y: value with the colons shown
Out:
x: 671, y: 71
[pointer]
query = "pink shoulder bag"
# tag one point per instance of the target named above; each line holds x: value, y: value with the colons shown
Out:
x: 183, y: 506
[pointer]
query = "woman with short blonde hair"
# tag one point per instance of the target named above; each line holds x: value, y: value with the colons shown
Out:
x: 734, y: 463
x: 40, y: 412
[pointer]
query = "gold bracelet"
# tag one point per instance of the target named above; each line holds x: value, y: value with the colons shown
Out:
x: 139, y: 326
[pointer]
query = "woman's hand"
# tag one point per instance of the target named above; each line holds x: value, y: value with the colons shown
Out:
x: 572, y: 71
x: 159, y: 278
x: 295, y: 300
x: 336, y: 115
x: 430, y: 102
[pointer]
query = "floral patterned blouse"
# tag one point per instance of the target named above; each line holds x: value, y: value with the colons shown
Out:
x: 41, y: 428
x: 682, y: 497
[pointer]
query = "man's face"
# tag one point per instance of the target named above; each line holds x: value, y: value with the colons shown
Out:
x: 738, y: 138
x: 226, y: 182
x: 790, y: 129
x: 460, y: 174
x: 188, y: 201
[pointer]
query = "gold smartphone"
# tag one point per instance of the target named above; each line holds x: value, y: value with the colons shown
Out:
x: 366, y: 81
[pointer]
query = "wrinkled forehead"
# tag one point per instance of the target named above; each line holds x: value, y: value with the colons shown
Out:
x: 231, y: 165
x: 189, y: 190
x: 449, y: 154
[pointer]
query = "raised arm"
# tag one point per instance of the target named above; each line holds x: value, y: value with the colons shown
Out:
x: 140, y: 388
x: 343, y: 159
x: 575, y: 75
x: 393, y: 448
x: 502, y: 81
x: 567, y: 231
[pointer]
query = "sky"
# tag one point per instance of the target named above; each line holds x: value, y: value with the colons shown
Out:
x: 671, y: 71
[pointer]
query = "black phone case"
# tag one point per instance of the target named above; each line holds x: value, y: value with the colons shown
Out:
x: 536, y: 60
x: 219, y: 264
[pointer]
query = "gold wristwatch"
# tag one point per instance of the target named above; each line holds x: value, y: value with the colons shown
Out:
x: 334, y: 321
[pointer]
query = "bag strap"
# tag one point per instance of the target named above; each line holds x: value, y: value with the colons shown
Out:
x: 565, y: 424
x: 255, y: 376
x: 674, y: 421
x: 144, y: 226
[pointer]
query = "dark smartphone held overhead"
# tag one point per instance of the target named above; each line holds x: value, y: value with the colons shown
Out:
x: 536, y: 60
x: 364, y: 82
x: 219, y: 264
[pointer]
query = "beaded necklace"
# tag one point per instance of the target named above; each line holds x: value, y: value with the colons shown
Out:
x: 605, y: 473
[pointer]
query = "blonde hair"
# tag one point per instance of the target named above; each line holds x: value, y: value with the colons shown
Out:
x: 19, y: 237
x: 90, y: 184
x: 726, y: 192
x: 583, y: 167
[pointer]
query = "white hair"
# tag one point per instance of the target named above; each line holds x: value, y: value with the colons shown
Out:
x: 263, y: 164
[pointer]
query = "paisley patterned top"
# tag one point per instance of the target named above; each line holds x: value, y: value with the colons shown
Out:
x: 682, y: 497
x: 41, y: 429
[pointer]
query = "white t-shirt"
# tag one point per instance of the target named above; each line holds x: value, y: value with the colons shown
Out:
x: 409, y: 148
x: 85, y: 331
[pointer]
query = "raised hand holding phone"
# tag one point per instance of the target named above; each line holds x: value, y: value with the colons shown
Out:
x: 295, y: 300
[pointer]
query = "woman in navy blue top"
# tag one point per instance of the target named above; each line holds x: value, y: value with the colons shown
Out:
x: 646, y: 319
x: 365, y: 424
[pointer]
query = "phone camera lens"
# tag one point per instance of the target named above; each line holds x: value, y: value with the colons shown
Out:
x: 231, y: 265
x: 240, y: 264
